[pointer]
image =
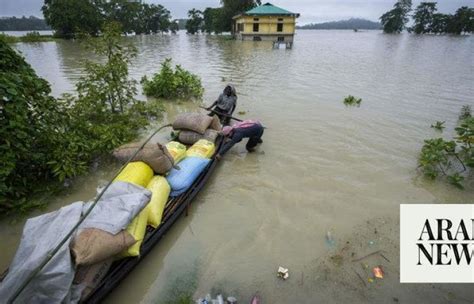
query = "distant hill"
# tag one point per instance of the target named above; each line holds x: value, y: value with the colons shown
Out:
x: 353, y: 23
x: 23, y: 24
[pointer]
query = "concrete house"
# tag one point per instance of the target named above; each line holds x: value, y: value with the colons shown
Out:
x: 265, y: 23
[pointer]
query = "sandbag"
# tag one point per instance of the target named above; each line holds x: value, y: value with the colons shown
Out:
x: 189, y: 137
x: 190, y: 168
x: 94, y: 245
x: 203, y: 148
x: 154, y: 155
x: 137, y: 229
x: 196, y: 122
x: 176, y: 150
x: 215, y: 124
x: 160, y: 190
x: 87, y: 277
x: 211, y: 135
x: 137, y: 173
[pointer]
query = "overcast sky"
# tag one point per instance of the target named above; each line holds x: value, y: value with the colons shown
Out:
x: 310, y: 10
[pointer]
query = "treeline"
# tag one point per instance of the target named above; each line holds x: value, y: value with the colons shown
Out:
x: 88, y: 16
x: 23, y: 24
x: 353, y: 23
x: 217, y: 20
x: 426, y: 19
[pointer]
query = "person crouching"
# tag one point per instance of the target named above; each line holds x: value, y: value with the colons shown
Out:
x: 251, y: 129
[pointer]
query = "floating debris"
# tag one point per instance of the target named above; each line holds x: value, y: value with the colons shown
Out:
x: 378, y: 272
x: 283, y: 273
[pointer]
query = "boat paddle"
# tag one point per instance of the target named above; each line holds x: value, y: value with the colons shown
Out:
x: 222, y: 114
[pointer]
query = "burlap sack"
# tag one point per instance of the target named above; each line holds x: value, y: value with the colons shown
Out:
x: 215, y: 124
x: 93, y: 245
x: 91, y: 275
x: 196, y: 122
x: 154, y: 155
x: 189, y: 137
x: 211, y: 135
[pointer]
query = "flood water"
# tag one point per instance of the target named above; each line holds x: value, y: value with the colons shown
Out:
x: 322, y: 168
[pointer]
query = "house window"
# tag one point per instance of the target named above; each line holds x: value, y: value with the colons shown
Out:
x: 255, y: 27
x: 255, y: 19
x: 280, y: 27
x: 281, y: 38
x: 257, y: 38
x: 280, y: 19
x: 240, y: 27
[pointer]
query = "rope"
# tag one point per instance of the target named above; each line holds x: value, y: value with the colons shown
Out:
x: 83, y: 217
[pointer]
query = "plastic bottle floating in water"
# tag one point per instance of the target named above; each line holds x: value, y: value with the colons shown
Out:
x: 330, y: 240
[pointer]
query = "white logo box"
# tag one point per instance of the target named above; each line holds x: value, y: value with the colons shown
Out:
x: 413, y: 226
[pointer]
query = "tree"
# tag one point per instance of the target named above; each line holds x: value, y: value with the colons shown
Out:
x: 462, y: 21
x: 212, y: 20
x: 68, y: 17
x: 394, y: 21
x: 193, y: 25
x: 440, y: 23
x: 423, y: 17
x: 230, y: 8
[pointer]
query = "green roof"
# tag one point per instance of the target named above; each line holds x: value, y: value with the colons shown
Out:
x: 268, y: 9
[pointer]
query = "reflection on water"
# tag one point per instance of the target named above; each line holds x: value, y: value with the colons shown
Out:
x: 322, y: 166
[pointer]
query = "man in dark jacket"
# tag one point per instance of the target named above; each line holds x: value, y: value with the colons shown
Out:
x: 251, y: 129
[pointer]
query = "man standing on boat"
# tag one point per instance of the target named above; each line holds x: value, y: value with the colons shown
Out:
x: 251, y: 129
x: 225, y: 104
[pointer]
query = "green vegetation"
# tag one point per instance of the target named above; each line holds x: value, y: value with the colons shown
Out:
x: 219, y: 20
x: 72, y: 17
x: 465, y: 112
x: 46, y: 140
x: 423, y: 17
x: 69, y: 17
x: 212, y: 18
x: 439, y: 125
x: 29, y: 37
x: 426, y: 20
x: 169, y: 83
x: 394, y: 21
x: 194, y: 23
x: 451, y: 159
x: 352, y: 101
x: 23, y: 24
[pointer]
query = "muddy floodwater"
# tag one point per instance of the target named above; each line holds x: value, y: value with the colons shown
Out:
x: 325, y: 186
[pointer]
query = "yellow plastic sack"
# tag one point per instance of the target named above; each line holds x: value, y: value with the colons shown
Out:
x: 177, y: 150
x: 160, y: 190
x: 137, y: 229
x: 203, y: 148
x: 137, y: 173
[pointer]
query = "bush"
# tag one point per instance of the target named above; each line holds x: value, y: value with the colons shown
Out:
x: 452, y: 159
x: 44, y: 140
x: 31, y: 122
x: 169, y: 83
x: 352, y: 101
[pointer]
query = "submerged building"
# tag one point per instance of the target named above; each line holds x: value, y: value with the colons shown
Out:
x: 265, y: 22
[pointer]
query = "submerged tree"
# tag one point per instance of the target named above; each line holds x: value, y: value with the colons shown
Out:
x: 423, y: 17
x: 230, y: 8
x: 68, y: 17
x: 212, y: 20
x: 193, y: 25
x: 394, y: 21
x: 462, y: 21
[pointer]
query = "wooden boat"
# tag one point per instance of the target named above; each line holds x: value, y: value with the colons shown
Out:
x: 173, y: 209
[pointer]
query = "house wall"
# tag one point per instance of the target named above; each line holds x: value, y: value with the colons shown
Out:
x: 267, y: 24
